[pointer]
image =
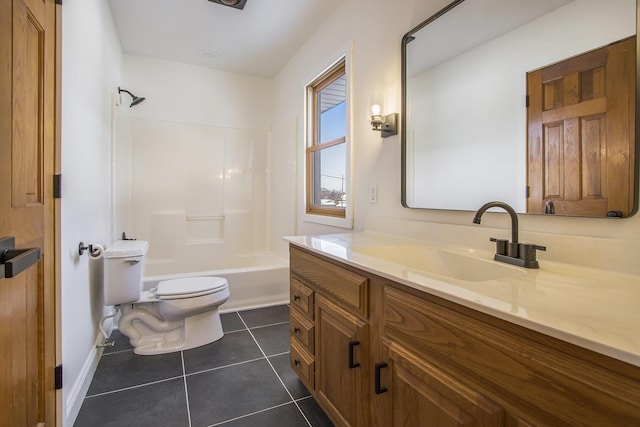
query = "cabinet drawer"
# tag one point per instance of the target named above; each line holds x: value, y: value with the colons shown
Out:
x: 347, y: 287
x: 302, y: 329
x: 303, y: 364
x: 301, y: 297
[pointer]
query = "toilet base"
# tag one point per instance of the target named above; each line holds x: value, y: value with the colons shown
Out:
x: 194, y: 331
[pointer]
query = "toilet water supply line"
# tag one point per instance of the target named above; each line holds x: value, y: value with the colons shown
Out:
x: 106, y: 342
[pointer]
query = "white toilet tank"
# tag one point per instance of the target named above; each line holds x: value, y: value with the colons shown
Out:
x: 123, y: 271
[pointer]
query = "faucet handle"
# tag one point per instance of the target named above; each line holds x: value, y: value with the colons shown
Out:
x: 528, y: 251
x: 501, y: 245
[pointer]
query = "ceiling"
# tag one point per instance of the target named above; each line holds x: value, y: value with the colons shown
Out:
x: 258, y: 40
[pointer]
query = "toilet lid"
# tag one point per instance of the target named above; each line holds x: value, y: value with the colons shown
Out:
x: 189, y: 287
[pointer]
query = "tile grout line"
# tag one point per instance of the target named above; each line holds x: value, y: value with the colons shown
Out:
x: 275, y: 372
x: 133, y: 387
x: 224, y: 366
x: 186, y: 390
x: 116, y: 352
x: 266, y: 326
x: 184, y: 374
x: 249, y: 414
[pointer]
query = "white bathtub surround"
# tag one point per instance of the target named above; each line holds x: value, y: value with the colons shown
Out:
x: 191, y: 190
x: 198, y: 194
x: 593, y: 308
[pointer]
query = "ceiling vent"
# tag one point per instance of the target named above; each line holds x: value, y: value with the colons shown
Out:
x: 238, y: 4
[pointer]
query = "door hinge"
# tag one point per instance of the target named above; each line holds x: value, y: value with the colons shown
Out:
x: 527, y: 191
x: 58, y: 377
x: 526, y: 101
x: 57, y: 186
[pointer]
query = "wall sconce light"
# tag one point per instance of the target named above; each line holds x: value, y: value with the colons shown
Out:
x: 386, y: 124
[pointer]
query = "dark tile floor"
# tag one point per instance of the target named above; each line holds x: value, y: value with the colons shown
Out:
x: 244, y: 379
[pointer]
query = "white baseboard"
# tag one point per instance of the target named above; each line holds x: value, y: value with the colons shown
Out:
x: 79, y: 389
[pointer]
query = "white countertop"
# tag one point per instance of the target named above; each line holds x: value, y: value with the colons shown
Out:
x: 595, y: 309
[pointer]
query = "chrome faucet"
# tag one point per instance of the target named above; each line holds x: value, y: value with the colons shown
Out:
x: 520, y: 254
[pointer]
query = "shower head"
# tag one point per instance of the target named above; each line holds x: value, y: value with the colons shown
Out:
x: 238, y: 4
x: 135, y: 100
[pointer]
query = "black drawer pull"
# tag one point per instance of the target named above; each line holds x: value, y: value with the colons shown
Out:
x: 296, y: 297
x: 296, y: 330
x: 379, y: 367
x: 352, y: 344
x: 296, y: 362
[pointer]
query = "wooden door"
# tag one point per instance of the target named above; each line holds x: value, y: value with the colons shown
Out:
x: 27, y: 135
x: 581, y: 133
x: 341, y: 358
x: 423, y: 395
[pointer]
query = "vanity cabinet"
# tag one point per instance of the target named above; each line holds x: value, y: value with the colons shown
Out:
x: 378, y: 353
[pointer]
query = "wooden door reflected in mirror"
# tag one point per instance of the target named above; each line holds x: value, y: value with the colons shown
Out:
x: 580, y: 121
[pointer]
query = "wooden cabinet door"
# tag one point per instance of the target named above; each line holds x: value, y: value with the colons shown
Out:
x: 341, y: 359
x: 423, y: 395
x: 581, y: 133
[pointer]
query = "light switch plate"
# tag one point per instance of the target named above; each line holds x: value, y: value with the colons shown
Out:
x: 373, y: 194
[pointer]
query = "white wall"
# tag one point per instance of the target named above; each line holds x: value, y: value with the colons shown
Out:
x: 376, y: 28
x: 91, y: 64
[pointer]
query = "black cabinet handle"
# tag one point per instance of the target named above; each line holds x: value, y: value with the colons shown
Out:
x: 296, y: 362
x: 379, y: 367
x: 14, y: 261
x: 296, y: 330
x: 352, y: 344
x: 296, y: 297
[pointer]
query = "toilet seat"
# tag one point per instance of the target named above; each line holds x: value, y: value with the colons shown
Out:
x: 189, y: 287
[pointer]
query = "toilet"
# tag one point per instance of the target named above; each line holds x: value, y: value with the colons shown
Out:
x: 177, y: 314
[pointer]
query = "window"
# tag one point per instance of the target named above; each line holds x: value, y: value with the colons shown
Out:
x: 326, y: 151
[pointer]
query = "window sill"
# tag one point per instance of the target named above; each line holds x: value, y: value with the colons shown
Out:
x: 330, y: 220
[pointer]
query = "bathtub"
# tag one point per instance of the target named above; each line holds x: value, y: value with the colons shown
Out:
x: 254, y: 280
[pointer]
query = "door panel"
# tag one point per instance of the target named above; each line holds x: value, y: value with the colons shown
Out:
x: 27, y: 144
x: 581, y: 133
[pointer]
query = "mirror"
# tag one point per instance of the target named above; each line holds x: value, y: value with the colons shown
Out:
x: 471, y: 74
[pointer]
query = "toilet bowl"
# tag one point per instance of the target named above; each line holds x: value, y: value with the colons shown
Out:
x: 178, y: 314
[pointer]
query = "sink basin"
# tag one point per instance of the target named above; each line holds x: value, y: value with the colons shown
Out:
x: 441, y: 262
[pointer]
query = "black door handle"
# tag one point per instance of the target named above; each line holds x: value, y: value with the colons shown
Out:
x: 379, y: 367
x: 352, y: 344
x: 14, y: 261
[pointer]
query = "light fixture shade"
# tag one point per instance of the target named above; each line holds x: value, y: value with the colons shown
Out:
x: 238, y: 4
x: 376, y: 104
x: 385, y: 123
